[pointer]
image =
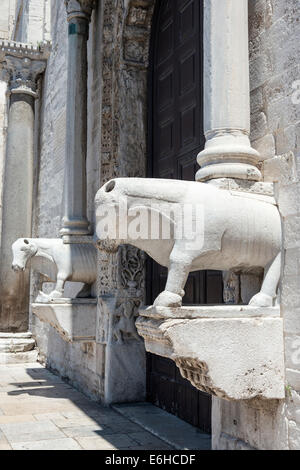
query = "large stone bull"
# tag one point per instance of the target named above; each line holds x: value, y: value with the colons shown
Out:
x: 222, y: 230
x: 57, y: 262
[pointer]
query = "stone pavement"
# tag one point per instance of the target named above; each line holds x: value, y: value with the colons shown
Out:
x: 38, y: 411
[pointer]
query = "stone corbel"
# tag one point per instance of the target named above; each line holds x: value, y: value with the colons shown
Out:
x: 232, y: 352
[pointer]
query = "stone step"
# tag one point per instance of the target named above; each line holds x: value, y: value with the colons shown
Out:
x: 16, y: 342
x: 19, y: 357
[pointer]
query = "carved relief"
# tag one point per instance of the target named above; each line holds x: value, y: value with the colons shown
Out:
x: 132, y: 262
x: 123, y: 29
x: 125, y: 316
x: 137, y: 16
x: 231, y: 292
x: 197, y: 373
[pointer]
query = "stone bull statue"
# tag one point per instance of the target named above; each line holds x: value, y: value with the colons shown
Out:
x: 57, y: 262
x: 221, y: 230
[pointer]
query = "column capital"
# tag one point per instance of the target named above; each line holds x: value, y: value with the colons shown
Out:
x: 79, y: 9
x: 22, y: 74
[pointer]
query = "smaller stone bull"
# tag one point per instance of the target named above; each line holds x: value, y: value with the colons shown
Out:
x: 57, y: 262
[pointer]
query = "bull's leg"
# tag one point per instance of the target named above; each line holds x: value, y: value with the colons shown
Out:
x: 59, y: 288
x: 179, y: 269
x: 268, y: 290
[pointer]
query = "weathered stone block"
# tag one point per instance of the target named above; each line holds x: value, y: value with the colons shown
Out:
x: 75, y: 320
x: 250, y: 350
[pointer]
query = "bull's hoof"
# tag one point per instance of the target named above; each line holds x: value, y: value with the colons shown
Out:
x: 261, y: 300
x: 168, y: 299
x: 42, y: 298
x: 55, y: 295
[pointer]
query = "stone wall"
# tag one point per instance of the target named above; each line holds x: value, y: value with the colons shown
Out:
x: 7, y: 18
x: 32, y: 21
x: 274, y: 36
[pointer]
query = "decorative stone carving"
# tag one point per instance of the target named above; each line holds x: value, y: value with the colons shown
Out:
x: 233, y: 232
x: 131, y: 270
x: 79, y: 8
x: 234, y: 352
x: 126, y: 313
x: 123, y: 351
x: 68, y: 262
x: 231, y: 289
x: 23, y: 73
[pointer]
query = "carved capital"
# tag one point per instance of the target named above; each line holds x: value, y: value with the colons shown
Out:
x: 79, y: 9
x: 22, y: 74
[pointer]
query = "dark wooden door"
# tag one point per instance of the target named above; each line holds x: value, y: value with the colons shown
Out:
x: 175, y: 138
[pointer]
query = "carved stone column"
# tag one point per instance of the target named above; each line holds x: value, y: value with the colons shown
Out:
x: 227, y: 152
x: 75, y: 218
x: 22, y: 76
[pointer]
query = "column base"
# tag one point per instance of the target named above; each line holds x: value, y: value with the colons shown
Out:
x: 228, y: 154
x: 229, y: 170
x: 75, y: 227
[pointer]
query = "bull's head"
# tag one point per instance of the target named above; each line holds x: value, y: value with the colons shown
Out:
x: 23, y: 249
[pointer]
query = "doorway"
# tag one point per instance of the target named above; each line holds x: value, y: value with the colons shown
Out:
x: 175, y: 138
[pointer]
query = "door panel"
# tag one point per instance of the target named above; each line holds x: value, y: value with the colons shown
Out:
x: 175, y: 138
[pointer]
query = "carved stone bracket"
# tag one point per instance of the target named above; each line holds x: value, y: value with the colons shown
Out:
x: 232, y: 352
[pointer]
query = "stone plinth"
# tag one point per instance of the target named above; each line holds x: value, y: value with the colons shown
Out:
x: 74, y: 319
x: 232, y: 352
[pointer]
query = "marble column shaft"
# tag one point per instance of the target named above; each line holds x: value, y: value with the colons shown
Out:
x: 17, y: 189
x: 228, y: 152
x: 75, y: 207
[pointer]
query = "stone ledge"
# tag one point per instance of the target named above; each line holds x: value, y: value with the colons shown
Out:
x: 216, y: 311
x: 74, y: 320
x: 28, y: 357
x: 236, y: 357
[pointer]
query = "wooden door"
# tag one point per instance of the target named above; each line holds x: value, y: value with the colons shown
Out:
x: 175, y: 138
